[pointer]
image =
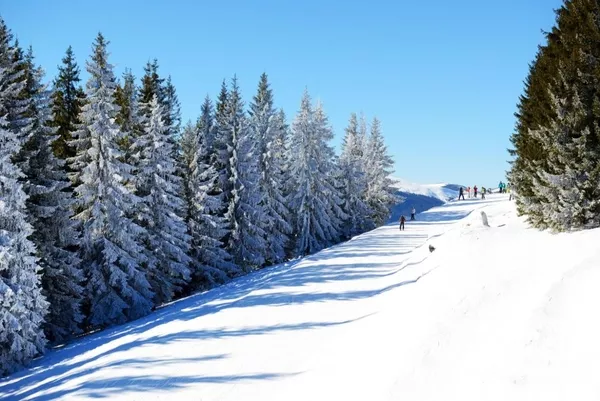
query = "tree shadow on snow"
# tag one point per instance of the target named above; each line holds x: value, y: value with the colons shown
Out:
x: 368, y: 257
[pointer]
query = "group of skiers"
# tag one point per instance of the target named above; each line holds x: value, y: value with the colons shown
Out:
x: 403, y: 219
x: 461, y: 192
x: 503, y: 188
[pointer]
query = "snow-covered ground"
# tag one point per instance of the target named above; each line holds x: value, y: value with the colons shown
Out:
x: 498, y: 313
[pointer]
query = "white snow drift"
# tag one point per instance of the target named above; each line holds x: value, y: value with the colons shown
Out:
x: 494, y: 313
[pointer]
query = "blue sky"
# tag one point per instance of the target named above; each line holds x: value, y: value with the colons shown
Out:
x: 443, y: 76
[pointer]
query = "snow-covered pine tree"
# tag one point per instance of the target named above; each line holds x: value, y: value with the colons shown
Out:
x: 172, y: 110
x: 247, y: 243
x: 311, y: 170
x: 206, y: 125
x: 556, y: 143
x: 22, y: 305
x: 268, y: 134
x: 332, y: 194
x: 211, y: 264
x: 362, y: 137
x: 129, y: 117
x: 160, y: 189
x: 117, y: 288
x: 49, y: 209
x: 14, y: 106
x: 222, y: 147
x: 282, y: 144
x: 152, y: 84
x: 379, y: 194
x: 353, y: 178
x: 560, y: 182
x: 67, y: 99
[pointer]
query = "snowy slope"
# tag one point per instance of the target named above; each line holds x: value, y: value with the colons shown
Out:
x: 498, y: 313
x: 422, y: 197
x: 441, y: 191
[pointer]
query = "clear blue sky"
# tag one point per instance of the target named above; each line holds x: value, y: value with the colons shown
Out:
x: 443, y: 76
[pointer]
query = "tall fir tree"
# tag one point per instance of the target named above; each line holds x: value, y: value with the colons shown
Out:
x: 129, y: 117
x: 333, y: 195
x: 22, y: 305
x: 67, y: 99
x: 206, y: 125
x: 152, y: 85
x: 222, y: 146
x: 315, y: 199
x: 159, y: 189
x: 49, y: 208
x: 353, y: 178
x: 268, y: 132
x: 379, y: 167
x: 172, y: 110
x: 561, y: 101
x: 211, y: 264
x: 247, y: 243
x: 117, y: 288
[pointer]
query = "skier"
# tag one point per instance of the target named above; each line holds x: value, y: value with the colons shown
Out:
x: 482, y: 192
x: 469, y: 191
x: 412, y: 213
x: 402, y: 220
x: 500, y: 187
x: 475, y: 191
x: 461, y: 194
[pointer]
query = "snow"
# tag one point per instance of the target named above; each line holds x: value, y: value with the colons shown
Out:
x: 442, y: 191
x: 494, y: 313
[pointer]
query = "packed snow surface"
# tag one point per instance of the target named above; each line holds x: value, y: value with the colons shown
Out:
x: 494, y: 313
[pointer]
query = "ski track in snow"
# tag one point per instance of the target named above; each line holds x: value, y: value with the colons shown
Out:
x: 376, y: 318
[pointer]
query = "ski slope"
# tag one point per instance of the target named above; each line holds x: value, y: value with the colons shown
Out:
x: 442, y: 191
x: 498, y: 313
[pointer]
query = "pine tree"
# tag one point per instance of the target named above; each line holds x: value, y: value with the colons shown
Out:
x: 557, y: 140
x: 206, y: 125
x: 353, y: 178
x: 49, y: 209
x: 129, y: 117
x: 266, y: 129
x: 211, y: 264
x: 222, y: 148
x: 152, y: 85
x: 117, y: 288
x: 159, y: 188
x: 562, y: 180
x: 282, y: 143
x: 22, y: 305
x: 172, y: 109
x: 379, y: 194
x: 362, y: 141
x: 245, y: 212
x: 315, y: 199
x: 67, y: 99
x: 332, y: 194
x: 16, y: 103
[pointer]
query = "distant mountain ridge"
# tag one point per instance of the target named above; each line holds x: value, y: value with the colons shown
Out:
x: 421, y: 196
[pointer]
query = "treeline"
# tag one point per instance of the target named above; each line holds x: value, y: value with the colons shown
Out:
x: 556, y: 145
x: 110, y: 208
